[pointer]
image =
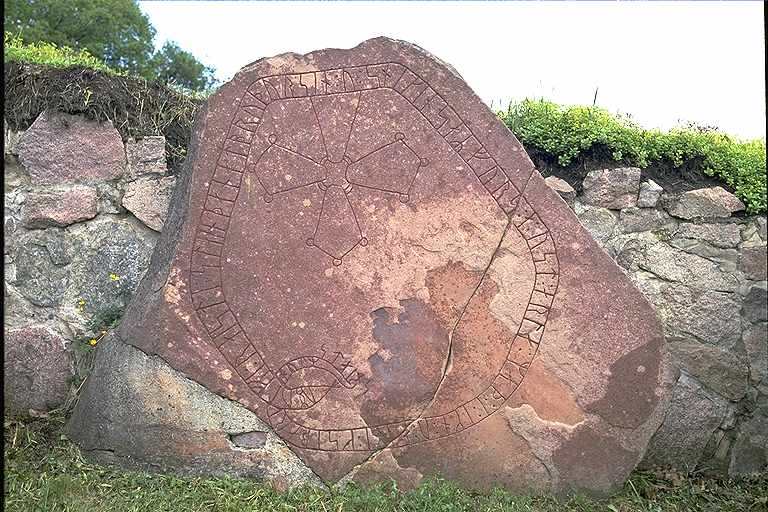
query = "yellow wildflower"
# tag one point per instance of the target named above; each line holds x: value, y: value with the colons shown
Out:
x: 93, y: 342
x: 114, y: 276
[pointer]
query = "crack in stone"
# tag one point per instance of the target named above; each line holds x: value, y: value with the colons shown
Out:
x: 450, y: 341
x: 449, y: 356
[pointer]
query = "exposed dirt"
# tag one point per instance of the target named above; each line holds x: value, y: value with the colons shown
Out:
x: 689, y: 176
x: 135, y: 106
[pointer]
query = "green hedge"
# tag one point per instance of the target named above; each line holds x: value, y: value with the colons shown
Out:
x: 568, y: 133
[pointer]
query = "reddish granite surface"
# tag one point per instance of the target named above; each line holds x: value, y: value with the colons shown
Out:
x: 369, y: 262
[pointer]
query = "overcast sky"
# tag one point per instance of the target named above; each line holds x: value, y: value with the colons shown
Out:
x: 661, y: 62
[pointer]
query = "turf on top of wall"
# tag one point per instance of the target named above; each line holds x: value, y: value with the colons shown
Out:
x: 42, y: 76
x: 566, y: 135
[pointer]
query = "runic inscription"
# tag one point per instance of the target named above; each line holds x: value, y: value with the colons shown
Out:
x: 362, y: 255
x: 300, y: 136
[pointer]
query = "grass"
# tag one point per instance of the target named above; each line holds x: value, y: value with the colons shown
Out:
x: 45, y: 472
x: 50, y: 54
x: 43, y: 76
x: 567, y: 134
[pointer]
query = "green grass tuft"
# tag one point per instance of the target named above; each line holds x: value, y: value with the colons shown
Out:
x: 567, y: 134
x: 50, y: 54
x: 44, y: 471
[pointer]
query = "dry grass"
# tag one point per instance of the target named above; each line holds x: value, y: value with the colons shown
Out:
x: 135, y: 106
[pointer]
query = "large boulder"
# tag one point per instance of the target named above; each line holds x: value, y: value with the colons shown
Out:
x: 361, y: 255
x: 60, y: 148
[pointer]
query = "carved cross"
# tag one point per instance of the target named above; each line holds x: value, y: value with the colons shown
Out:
x: 391, y: 168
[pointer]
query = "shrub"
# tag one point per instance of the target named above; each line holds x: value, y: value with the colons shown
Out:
x: 50, y: 54
x: 566, y: 134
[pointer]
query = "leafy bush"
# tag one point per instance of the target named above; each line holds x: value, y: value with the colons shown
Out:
x: 50, y: 54
x: 569, y: 133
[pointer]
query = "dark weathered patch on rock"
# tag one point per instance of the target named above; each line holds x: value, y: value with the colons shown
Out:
x: 586, y: 461
x: 633, y: 374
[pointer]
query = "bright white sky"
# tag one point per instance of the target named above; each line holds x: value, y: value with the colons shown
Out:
x: 661, y: 62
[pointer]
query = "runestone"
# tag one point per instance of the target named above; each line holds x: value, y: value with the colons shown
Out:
x: 360, y: 253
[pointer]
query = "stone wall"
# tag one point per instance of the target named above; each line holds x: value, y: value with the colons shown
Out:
x: 702, y: 265
x: 83, y: 209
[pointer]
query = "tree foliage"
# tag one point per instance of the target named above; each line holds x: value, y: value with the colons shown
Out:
x: 171, y: 64
x: 114, y: 31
